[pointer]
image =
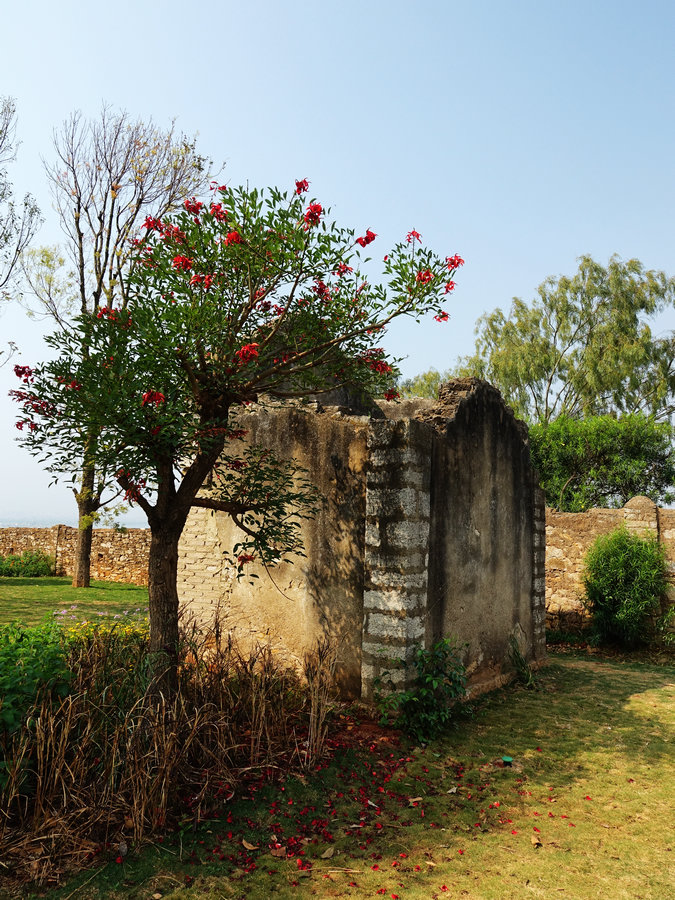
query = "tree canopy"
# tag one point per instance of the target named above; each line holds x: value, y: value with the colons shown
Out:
x: 426, y: 384
x: 603, y: 461
x: 110, y: 173
x: 249, y: 297
x: 583, y: 347
x: 17, y: 224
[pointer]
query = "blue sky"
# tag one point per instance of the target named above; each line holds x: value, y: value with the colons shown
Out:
x: 520, y: 135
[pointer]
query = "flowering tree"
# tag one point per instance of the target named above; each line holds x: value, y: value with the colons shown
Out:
x: 249, y: 297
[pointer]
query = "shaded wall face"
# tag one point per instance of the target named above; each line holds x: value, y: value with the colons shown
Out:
x: 293, y: 605
x: 482, y: 536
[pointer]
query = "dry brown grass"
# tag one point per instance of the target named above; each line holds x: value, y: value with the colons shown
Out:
x: 112, y: 757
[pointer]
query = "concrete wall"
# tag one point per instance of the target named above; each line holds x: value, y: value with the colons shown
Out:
x: 433, y: 526
x: 120, y: 556
x: 568, y: 539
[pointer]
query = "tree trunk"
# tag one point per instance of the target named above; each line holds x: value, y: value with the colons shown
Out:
x: 87, y: 505
x: 82, y: 573
x: 163, y: 606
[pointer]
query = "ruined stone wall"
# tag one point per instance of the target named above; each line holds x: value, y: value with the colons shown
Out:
x: 486, y: 579
x: 320, y: 594
x: 397, y: 545
x: 120, y: 556
x: 432, y: 526
x: 15, y: 541
x: 568, y: 539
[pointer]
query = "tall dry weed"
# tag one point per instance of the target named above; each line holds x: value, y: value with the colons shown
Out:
x: 113, y: 761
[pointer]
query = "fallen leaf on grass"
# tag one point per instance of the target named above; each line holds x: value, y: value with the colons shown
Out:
x: 247, y: 846
x: 412, y: 800
x: 327, y: 854
x: 535, y: 841
x: 279, y: 852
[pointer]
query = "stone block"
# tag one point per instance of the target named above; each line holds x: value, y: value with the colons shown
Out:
x: 383, y: 626
x: 408, y: 534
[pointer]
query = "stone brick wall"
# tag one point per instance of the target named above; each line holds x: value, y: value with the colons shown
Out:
x: 120, y: 556
x: 539, y: 573
x: 568, y: 539
x: 397, y: 545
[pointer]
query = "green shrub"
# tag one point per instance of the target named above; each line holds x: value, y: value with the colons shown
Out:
x: 31, y: 564
x: 425, y: 708
x: 33, y: 664
x: 625, y: 578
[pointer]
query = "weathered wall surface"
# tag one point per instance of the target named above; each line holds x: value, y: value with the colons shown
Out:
x: 568, y: 539
x: 320, y: 594
x: 433, y: 526
x: 485, y: 579
x: 116, y: 555
x: 397, y: 544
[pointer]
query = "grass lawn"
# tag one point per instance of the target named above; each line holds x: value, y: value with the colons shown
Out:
x: 585, y: 811
x: 30, y: 600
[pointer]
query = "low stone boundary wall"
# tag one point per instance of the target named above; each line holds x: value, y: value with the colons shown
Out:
x: 568, y: 539
x: 120, y: 556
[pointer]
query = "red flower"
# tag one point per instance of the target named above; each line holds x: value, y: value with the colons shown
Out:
x: 373, y: 359
x: 454, y: 262
x: 217, y: 211
x: 313, y: 214
x: 24, y: 372
x: 449, y: 286
x: 321, y: 290
x: 424, y: 277
x: 193, y: 206
x: 413, y: 236
x: 152, y: 224
x: 196, y: 279
x: 208, y: 281
x: 301, y: 186
x: 342, y: 269
x: 391, y: 394
x: 233, y: 238
x: 154, y: 398
x: 368, y: 239
x: 242, y: 559
x: 442, y: 316
x: 182, y: 262
x: 247, y: 353
x: 173, y: 233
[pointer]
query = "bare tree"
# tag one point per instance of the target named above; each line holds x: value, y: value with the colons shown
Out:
x: 17, y: 225
x: 110, y: 173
